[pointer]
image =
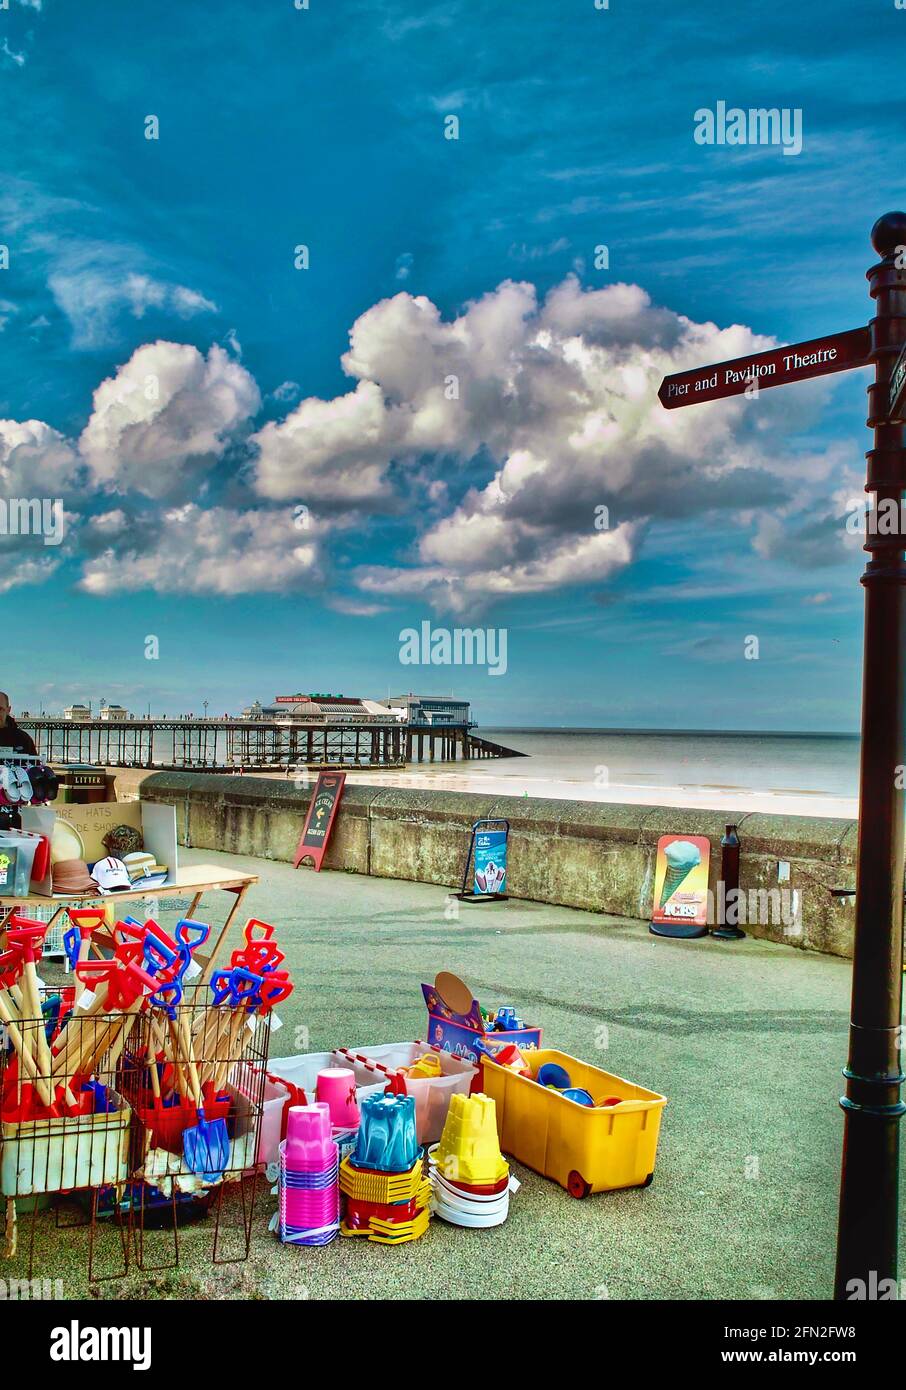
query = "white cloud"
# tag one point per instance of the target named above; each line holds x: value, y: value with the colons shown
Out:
x: 556, y: 404
x: 17, y: 58
x: 35, y: 460
x: 213, y: 551
x: 30, y: 571
x: 92, y: 294
x: 327, y: 452
x: 164, y: 418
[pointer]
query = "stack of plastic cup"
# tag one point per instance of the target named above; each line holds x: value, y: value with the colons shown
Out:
x: 309, y: 1171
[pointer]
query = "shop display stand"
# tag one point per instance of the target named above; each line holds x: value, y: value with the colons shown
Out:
x: 468, y: 895
x: 91, y: 1167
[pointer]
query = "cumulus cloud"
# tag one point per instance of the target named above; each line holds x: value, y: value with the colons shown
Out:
x: 166, y: 416
x: 35, y: 460
x: 550, y: 411
x: 213, y: 551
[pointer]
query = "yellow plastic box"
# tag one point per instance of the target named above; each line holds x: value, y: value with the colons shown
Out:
x: 583, y: 1149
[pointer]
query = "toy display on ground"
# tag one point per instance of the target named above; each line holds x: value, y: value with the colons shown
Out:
x: 147, y: 1087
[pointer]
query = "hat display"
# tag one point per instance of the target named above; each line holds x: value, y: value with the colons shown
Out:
x: 111, y: 876
x: 72, y: 876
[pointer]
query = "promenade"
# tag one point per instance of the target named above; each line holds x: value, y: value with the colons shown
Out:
x: 746, y: 1040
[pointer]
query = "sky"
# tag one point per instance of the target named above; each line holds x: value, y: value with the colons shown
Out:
x: 306, y: 371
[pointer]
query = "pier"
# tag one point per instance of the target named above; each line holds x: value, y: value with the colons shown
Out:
x: 254, y: 745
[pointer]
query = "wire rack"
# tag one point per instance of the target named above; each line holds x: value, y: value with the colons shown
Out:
x: 129, y: 1124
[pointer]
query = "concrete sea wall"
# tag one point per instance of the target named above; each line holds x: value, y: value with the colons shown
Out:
x: 576, y: 853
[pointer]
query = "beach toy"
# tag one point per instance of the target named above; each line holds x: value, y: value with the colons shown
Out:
x: 387, y: 1188
x: 609, y: 1100
x: 507, y: 1020
x: 335, y: 1087
x: 576, y: 1093
x: 454, y: 992
x: 682, y: 857
x: 387, y: 1140
x: 510, y: 1056
x: 552, y: 1074
x: 469, y: 1150
x: 308, y: 1187
x: 427, y: 1065
x: 309, y: 1144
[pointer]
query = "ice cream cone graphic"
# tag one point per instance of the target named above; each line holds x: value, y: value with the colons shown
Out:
x: 682, y: 857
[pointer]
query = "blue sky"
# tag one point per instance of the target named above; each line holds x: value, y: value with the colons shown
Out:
x: 172, y: 260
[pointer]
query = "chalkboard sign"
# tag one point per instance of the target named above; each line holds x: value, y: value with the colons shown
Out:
x: 319, y: 821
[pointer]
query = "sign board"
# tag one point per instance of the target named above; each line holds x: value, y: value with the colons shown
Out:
x: 895, y: 409
x: 319, y: 821
x: 681, y: 886
x: 777, y: 367
x: 490, y: 861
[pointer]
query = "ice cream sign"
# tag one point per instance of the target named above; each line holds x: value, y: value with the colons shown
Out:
x: 680, y: 905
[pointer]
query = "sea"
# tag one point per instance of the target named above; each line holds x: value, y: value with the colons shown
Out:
x: 786, y: 773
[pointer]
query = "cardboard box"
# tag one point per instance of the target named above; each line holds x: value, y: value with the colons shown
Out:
x: 458, y: 1033
x: 157, y: 824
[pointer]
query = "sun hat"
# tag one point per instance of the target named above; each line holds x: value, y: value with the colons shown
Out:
x: 111, y: 876
x: 65, y: 842
x: 123, y: 840
x: 142, y: 866
x: 138, y: 861
x: 72, y: 876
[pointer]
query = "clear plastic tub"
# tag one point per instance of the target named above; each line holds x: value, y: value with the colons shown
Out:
x: 302, y: 1071
x: 21, y: 850
x: 274, y: 1099
x: 432, y: 1093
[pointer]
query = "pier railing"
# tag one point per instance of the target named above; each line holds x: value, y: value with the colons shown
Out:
x: 253, y: 745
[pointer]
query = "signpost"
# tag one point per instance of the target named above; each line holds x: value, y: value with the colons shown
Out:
x: 318, y: 823
x: 777, y: 367
x: 897, y: 399
x: 872, y: 1107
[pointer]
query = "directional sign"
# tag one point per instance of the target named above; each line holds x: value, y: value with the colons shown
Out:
x: 895, y: 410
x: 777, y: 367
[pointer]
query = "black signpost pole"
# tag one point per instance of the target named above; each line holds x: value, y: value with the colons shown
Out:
x: 872, y: 1108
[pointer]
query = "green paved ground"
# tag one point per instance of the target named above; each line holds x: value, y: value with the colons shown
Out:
x: 745, y: 1040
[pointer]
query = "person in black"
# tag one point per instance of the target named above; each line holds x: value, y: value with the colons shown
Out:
x: 11, y: 736
x: 14, y: 740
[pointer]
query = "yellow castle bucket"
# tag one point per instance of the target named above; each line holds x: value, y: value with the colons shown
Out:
x: 469, y: 1150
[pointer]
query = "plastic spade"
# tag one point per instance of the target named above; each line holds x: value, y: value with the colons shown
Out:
x: 206, y: 1146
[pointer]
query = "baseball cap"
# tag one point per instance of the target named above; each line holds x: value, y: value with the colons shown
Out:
x: 111, y: 876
